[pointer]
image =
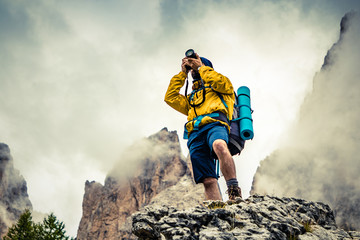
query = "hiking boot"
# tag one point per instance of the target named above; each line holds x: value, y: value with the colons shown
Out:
x: 234, y: 193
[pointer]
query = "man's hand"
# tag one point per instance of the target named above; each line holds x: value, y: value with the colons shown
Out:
x: 184, y: 64
x: 195, y: 63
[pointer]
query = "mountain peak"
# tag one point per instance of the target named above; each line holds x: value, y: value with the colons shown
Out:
x: 14, y: 198
x: 146, y: 168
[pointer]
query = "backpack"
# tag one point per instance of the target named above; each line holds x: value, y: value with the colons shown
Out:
x: 241, y: 123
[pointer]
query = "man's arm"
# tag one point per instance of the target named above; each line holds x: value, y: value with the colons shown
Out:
x: 218, y: 82
x: 173, y: 97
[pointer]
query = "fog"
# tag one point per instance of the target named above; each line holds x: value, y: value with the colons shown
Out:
x: 81, y: 81
x: 319, y: 160
x: 139, y: 156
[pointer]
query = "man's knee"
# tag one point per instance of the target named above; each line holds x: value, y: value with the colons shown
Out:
x: 208, y: 182
x: 220, y: 147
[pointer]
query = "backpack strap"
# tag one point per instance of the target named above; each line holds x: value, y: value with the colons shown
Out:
x: 186, y: 87
x: 217, y: 162
x: 197, y: 120
x: 223, y: 101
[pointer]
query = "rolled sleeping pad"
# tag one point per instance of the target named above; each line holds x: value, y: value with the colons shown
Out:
x: 246, y: 123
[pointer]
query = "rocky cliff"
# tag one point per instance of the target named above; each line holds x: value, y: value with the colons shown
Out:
x: 14, y: 198
x: 258, y: 217
x: 320, y: 160
x: 151, y: 172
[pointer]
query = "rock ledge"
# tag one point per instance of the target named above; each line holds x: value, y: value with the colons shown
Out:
x: 258, y: 217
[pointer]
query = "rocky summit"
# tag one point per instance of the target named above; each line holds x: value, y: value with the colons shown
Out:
x: 147, y: 168
x: 14, y: 198
x: 258, y: 217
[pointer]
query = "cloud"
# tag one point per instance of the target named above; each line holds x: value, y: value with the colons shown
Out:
x: 162, y: 147
x: 319, y: 160
x: 81, y: 81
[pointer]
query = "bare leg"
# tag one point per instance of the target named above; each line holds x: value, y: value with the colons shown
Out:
x: 212, y: 191
x: 227, y: 164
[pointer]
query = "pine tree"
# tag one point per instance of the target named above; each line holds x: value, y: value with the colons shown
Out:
x: 53, y: 229
x: 25, y: 229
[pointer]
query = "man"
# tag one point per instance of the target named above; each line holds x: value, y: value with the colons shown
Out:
x: 209, y: 108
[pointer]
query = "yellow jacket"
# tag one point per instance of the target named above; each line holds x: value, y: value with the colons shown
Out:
x: 213, y: 82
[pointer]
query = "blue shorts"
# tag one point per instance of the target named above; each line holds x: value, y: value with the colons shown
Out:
x: 201, y: 153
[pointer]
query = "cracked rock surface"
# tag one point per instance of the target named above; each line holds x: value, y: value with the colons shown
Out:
x: 258, y: 217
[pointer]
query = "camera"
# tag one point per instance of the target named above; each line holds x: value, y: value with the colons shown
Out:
x: 190, y: 54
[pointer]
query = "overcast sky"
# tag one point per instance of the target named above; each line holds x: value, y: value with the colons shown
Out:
x: 82, y: 80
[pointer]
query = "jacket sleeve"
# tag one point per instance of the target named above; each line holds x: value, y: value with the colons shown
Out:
x: 173, y: 97
x: 218, y: 82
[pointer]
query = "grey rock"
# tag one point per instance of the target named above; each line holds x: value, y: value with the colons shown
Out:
x: 354, y: 235
x: 258, y: 217
x: 161, y: 176
x: 14, y: 198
